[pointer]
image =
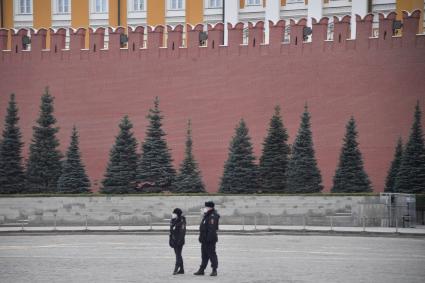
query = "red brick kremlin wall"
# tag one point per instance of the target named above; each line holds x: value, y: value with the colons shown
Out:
x: 378, y: 80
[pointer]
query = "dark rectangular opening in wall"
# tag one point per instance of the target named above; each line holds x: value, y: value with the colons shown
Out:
x: 1, y: 14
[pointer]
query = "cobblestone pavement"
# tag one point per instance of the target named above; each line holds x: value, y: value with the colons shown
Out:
x: 255, y: 258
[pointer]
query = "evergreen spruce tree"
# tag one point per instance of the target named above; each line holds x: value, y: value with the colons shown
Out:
x: 155, y: 165
x: 120, y: 176
x: 240, y: 172
x: 274, y: 160
x: 395, y: 166
x: 12, y: 177
x: 189, y: 178
x: 2, y: 174
x: 74, y: 179
x: 303, y: 174
x: 350, y: 176
x: 411, y: 174
x: 44, y: 163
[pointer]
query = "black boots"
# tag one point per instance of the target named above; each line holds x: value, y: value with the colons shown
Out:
x: 199, y: 272
x: 177, y: 270
x: 214, y: 272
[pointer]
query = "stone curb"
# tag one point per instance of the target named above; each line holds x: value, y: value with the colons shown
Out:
x: 262, y: 232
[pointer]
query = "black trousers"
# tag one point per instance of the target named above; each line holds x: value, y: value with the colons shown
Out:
x: 179, y: 258
x: 208, y: 253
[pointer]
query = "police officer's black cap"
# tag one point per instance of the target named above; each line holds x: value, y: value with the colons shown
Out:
x: 209, y: 204
x: 178, y: 211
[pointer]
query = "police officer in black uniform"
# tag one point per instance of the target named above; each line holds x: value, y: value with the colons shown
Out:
x: 208, y: 238
x: 177, y: 235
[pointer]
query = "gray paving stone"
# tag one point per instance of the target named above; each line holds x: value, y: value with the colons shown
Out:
x: 246, y: 259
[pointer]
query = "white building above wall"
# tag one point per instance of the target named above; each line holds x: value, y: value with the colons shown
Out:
x: 213, y: 4
x: 22, y: 13
x: 252, y: 12
x: 136, y: 12
x: 176, y: 5
x: 175, y: 12
x: 213, y: 11
x: 61, y: 13
x: 99, y: 15
x: 293, y: 10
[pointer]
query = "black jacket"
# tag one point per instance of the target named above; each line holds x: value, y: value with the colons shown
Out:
x: 209, y: 226
x: 177, y: 231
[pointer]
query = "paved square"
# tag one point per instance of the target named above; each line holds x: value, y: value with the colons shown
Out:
x: 246, y: 258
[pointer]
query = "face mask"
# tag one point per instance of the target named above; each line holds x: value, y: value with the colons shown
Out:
x: 173, y: 216
x: 205, y: 210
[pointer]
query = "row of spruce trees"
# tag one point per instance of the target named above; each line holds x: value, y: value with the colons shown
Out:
x: 282, y: 168
x: 290, y: 169
x: 48, y: 171
x: 407, y: 171
x: 153, y: 170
